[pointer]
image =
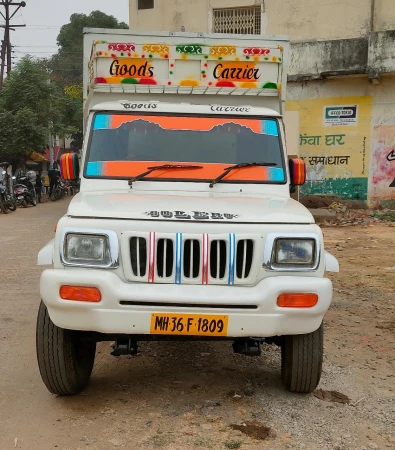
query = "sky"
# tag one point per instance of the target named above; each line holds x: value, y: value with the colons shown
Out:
x: 43, y: 19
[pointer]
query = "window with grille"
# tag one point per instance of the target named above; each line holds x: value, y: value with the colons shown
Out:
x: 145, y: 4
x: 237, y: 20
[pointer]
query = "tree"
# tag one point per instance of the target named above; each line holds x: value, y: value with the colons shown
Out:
x: 25, y: 111
x: 28, y: 86
x: 20, y: 135
x: 67, y: 64
x: 67, y: 70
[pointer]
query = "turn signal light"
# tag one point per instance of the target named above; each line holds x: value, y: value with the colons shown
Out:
x: 297, y: 300
x: 80, y: 294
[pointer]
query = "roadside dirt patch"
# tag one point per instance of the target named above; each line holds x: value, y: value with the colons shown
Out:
x: 254, y: 429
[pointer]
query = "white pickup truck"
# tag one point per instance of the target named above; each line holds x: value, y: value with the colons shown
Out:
x: 184, y: 227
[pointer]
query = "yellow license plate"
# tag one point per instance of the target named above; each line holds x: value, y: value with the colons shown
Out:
x: 189, y: 324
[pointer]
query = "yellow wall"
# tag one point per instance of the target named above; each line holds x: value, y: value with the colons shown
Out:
x: 337, y: 157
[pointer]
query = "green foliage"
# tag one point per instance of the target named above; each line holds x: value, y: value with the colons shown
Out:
x: 68, y: 62
x: 20, y: 135
x: 25, y: 111
x: 386, y: 216
x: 28, y: 86
x: 67, y: 71
x: 40, y: 93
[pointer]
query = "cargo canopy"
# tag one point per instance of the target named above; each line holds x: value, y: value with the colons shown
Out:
x: 183, y: 63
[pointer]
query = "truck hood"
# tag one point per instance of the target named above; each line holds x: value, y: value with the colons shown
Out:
x: 201, y: 206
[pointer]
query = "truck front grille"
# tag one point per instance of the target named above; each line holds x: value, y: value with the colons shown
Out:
x: 186, y: 259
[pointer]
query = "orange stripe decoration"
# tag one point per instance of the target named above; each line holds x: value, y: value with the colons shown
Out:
x: 297, y: 168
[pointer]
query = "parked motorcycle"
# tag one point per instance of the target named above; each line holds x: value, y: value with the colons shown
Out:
x: 7, y: 200
x: 25, y: 192
x: 59, y: 191
x: 3, y: 201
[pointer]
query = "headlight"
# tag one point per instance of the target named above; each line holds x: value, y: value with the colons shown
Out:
x: 292, y: 252
x: 83, y: 248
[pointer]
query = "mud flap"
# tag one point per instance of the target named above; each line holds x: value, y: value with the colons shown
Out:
x: 331, y: 263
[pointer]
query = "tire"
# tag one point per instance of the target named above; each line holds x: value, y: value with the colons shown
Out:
x: 24, y: 203
x: 12, y: 205
x: 55, y: 195
x: 3, y: 206
x: 65, y: 358
x: 301, y: 361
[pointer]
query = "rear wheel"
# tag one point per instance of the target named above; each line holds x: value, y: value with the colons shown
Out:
x: 301, y: 361
x: 65, y: 357
x: 55, y: 194
x: 3, y: 206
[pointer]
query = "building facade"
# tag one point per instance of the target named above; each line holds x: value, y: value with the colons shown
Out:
x: 341, y: 80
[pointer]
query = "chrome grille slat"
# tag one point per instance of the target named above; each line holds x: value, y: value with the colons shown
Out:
x: 191, y: 262
x: 138, y: 257
x: 218, y: 257
x: 164, y: 255
x: 244, y: 261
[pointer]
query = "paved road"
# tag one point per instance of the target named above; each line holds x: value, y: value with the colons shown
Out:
x: 194, y: 396
x: 26, y: 409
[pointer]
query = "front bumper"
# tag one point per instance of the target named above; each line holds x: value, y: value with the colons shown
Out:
x: 109, y: 316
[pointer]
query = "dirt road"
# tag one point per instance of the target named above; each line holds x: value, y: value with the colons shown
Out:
x: 201, y: 396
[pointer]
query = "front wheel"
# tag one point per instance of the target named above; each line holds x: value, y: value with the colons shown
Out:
x: 12, y: 205
x: 65, y: 357
x: 301, y: 361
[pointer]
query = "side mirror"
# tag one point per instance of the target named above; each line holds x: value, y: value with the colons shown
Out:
x: 297, y: 171
x: 69, y: 166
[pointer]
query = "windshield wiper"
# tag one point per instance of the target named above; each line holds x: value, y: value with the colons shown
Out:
x: 240, y: 166
x: 165, y: 166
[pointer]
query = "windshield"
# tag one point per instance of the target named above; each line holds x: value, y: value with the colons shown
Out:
x: 123, y: 146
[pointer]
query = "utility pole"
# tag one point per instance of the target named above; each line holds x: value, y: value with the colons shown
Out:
x: 5, y: 55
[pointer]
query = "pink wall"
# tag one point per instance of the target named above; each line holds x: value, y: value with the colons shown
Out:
x: 382, y: 185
